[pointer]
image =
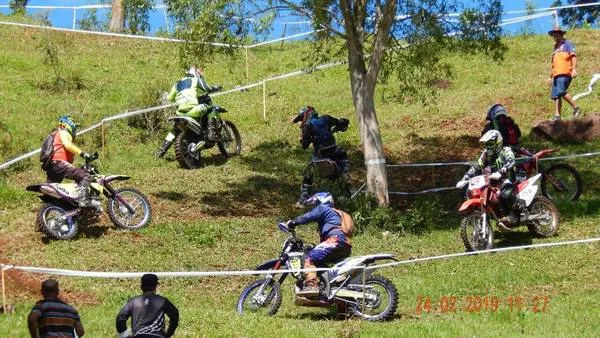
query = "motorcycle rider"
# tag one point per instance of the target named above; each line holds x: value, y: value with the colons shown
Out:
x: 61, y: 166
x: 502, y: 160
x: 497, y: 119
x: 319, y: 130
x: 186, y: 93
x: 334, y: 244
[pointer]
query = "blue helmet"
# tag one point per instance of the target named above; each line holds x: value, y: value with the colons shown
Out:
x: 320, y: 198
x: 495, y: 111
x: 304, y: 114
x: 65, y: 122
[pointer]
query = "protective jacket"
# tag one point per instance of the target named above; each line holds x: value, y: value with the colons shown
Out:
x: 328, y: 220
x: 318, y: 130
x: 504, y: 159
x: 186, y: 91
x: 64, y: 148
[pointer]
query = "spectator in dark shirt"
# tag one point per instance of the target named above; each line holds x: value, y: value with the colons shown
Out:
x: 147, y: 313
x: 51, y: 317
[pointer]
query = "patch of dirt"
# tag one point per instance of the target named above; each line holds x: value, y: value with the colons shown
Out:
x: 24, y: 285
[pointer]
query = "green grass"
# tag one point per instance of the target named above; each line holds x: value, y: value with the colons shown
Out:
x: 223, y: 216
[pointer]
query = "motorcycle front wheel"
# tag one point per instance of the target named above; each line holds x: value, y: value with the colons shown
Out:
x: 546, y: 220
x: 258, y: 299
x: 184, y: 155
x: 472, y: 235
x: 122, y: 217
x: 231, y: 140
x: 51, y: 221
x: 381, y: 299
x: 562, y: 182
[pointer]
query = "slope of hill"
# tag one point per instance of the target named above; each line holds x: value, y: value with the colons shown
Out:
x: 223, y: 216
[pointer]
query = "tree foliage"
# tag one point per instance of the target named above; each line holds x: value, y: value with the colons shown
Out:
x: 579, y: 16
x: 18, y: 6
x: 230, y: 23
x: 137, y: 15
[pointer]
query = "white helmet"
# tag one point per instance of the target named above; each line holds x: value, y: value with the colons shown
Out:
x: 320, y: 198
x: 194, y: 71
x: 492, y: 141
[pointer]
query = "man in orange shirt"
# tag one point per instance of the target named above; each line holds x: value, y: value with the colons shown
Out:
x: 61, y: 163
x: 564, y: 68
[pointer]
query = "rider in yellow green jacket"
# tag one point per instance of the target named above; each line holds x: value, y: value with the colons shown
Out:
x: 187, y: 95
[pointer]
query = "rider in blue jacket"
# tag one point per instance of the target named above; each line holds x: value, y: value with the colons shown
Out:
x: 334, y: 244
x: 319, y: 130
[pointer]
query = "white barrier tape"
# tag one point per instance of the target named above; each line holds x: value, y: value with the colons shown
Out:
x: 525, y: 18
x: 284, y: 38
x: 422, y: 192
x: 552, y: 8
x: 115, y: 34
x: 595, y: 78
x: 99, y: 274
x: 471, y: 253
x: 133, y: 113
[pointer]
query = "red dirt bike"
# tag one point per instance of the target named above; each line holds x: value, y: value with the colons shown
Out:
x: 560, y: 182
x: 483, y: 207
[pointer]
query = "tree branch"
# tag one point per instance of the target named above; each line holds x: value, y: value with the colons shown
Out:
x: 384, y: 26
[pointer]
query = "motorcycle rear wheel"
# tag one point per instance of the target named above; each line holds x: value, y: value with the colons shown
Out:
x: 183, y: 154
x: 231, y: 140
x: 269, y: 301
x: 120, y: 215
x: 562, y: 182
x: 51, y: 221
x: 469, y: 233
x: 384, y: 306
x: 547, y: 227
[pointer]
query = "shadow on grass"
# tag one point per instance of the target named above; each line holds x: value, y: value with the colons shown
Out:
x: 170, y: 195
x: 513, y: 238
x: 330, y: 315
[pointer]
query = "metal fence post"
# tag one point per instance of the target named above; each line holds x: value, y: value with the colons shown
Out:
x: 74, y: 16
x: 264, y: 100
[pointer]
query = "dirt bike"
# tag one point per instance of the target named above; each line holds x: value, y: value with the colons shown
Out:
x: 371, y: 297
x: 483, y: 207
x: 61, y: 216
x: 193, y: 137
x: 560, y: 182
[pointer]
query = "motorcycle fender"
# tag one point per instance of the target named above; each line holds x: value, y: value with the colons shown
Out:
x: 110, y: 178
x: 468, y: 205
x: 189, y: 122
x: 528, y: 189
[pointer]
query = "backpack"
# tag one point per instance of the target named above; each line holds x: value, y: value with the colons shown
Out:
x: 510, y: 131
x: 347, y: 223
x: 47, y: 149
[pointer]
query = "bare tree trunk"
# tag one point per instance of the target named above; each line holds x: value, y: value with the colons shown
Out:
x: 117, y: 18
x: 374, y: 156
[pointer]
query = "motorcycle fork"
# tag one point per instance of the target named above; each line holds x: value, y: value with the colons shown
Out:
x: 110, y: 192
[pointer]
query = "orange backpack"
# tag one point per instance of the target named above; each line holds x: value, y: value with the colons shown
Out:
x: 347, y: 223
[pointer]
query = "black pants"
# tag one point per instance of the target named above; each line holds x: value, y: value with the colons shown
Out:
x: 56, y: 171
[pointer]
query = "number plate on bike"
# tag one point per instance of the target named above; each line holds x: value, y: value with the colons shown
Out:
x: 476, y: 182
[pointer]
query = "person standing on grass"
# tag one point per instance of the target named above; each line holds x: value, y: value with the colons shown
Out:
x: 147, y: 313
x: 563, y: 70
x: 51, y: 317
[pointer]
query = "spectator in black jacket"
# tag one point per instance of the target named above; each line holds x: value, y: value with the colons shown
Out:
x: 147, y: 313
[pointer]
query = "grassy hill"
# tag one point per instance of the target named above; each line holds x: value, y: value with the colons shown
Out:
x: 224, y: 216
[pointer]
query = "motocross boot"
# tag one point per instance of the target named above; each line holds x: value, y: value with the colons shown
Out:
x: 163, y: 149
x: 310, y: 289
x: 84, y: 200
x: 304, y: 192
x: 212, y: 130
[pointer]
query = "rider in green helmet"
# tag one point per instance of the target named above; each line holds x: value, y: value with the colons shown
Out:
x: 186, y: 93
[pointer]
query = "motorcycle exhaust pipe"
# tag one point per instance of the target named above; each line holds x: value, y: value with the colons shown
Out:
x: 303, y: 301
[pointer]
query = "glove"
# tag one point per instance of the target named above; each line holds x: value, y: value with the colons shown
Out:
x: 502, y: 171
x: 495, y: 176
x: 86, y: 156
x: 125, y: 334
x: 217, y: 88
x: 290, y: 224
x: 461, y: 184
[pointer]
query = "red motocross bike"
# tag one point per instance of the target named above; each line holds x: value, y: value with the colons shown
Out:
x: 483, y: 207
x: 560, y: 182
